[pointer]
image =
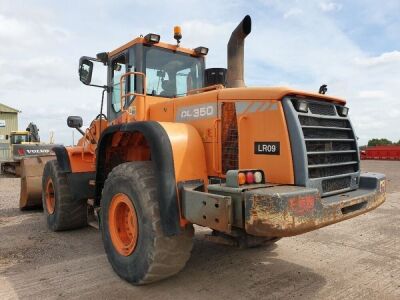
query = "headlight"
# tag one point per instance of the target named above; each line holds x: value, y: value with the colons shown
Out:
x: 342, y: 110
x: 201, y: 50
x: 301, y: 106
x: 152, y: 38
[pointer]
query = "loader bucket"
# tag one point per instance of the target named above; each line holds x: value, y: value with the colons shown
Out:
x: 31, y: 181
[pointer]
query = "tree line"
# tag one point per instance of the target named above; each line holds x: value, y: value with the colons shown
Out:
x: 381, y: 142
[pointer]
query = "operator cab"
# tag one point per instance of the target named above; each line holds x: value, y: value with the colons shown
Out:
x: 17, y: 138
x: 146, y: 67
x: 169, y: 73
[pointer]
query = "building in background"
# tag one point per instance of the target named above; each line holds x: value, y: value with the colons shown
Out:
x: 8, y: 123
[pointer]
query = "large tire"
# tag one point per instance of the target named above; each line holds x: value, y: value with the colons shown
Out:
x: 149, y: 255
x: 62, y: 211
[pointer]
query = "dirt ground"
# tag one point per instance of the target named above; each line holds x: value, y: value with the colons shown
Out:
x: 358, y: 258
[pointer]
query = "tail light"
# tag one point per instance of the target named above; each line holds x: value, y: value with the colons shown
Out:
x: 236, y: 178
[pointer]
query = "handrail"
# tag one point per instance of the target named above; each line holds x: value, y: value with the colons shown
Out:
x: 123, y: 96
x: 240, y: 136
x: 215, y: 162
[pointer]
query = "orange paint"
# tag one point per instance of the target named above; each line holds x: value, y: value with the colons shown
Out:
x: 123, y: 224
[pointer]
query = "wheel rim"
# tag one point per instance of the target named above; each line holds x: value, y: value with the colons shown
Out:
x: 50, y: 197
x: 123, y: 225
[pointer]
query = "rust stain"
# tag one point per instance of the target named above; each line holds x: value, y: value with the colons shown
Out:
x: 269, y: 216
x: 301, y: 205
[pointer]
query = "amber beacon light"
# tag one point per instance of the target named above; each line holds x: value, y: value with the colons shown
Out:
x: 177, y: 33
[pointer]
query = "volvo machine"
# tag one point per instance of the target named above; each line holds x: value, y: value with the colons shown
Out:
x: 181, y: 145
x: 26, y: 160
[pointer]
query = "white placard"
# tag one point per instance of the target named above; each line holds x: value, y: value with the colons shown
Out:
x: 2, y: 137
x: 2, y: 123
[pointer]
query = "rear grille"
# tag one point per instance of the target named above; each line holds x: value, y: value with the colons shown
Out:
x: 331, y: 158
x: 312, y: 133
x: 331, y: 171
x: 311, y: 121
x: 322, y: 109
x: 335, y: 184
x: 314, y: 146
x: 331, y: 147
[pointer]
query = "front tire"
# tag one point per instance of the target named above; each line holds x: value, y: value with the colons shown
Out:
x: 62, y: 211
x: 134, y: 242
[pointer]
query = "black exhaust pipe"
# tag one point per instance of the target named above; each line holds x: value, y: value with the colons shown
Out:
x: 235, y: 72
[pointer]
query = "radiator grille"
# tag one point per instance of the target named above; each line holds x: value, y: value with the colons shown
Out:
x: 326, y: 133
x: 311, y: 121
x: 335, y: 184
x: 314, y: 146
x: 331, y: 158
x: 331, y: 171
x: 230, y: 149
x: 322, y: 109
x: 330, y: 145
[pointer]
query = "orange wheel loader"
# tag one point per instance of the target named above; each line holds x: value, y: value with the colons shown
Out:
x: 182, y: 145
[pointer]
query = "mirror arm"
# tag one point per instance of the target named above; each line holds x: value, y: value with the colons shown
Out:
x: 80, y: 131
x: 100, y: 86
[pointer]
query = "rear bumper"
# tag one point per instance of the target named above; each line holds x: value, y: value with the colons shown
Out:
x: 290, y: 210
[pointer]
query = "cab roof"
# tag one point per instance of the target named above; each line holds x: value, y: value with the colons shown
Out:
x: 141, y: 40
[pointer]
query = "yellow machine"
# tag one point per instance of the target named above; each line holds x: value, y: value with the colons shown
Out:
x: 183, y: 145
x: 28, y: 157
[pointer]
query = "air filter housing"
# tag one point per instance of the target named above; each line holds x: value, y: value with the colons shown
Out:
x: 214, y: 76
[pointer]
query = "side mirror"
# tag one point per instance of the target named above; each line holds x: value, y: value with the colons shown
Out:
x: 85, y: 70
x: 74, y: 122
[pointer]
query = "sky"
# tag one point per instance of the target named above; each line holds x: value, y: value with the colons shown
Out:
x: 352, y: 46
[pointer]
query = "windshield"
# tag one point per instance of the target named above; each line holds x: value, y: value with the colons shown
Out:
x: 19, y: 138
x: 172, y: 74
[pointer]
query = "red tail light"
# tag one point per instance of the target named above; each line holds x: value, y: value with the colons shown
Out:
x: 236, y: 178
x: 249, y: 177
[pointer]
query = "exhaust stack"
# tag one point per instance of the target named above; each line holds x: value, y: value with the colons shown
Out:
x: 235, y: 72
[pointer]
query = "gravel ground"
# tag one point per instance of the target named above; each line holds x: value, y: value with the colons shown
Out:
x: 358, y: 258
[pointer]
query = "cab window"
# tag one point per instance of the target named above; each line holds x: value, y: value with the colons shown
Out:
x: 119, y: 68
x: 19, y: 139
x: 172, y: 74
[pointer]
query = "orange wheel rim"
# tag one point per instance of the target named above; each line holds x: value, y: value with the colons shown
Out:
x: 50, y: 197
x: 123, y: 224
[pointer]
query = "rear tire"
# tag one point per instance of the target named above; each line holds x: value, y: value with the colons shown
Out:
x: 153, y: 256
x: 61, y: 210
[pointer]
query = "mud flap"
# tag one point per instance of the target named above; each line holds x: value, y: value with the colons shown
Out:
x: 31, y: 181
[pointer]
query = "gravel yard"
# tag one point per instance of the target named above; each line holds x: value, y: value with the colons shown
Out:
x: 358, y: 258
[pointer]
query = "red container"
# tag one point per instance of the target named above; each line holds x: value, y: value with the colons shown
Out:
x: 388, y: 152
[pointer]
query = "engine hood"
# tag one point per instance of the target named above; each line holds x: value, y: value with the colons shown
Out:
x: 271, y: 93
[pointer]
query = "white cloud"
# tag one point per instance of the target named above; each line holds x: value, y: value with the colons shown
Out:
x: 386, y: 58
x: 330, y: 6
x: 372, y: 94
x: 292, y: 12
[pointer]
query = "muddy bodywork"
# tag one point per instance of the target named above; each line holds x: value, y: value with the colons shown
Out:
x: 290, y: 210
x: 270, y: 210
